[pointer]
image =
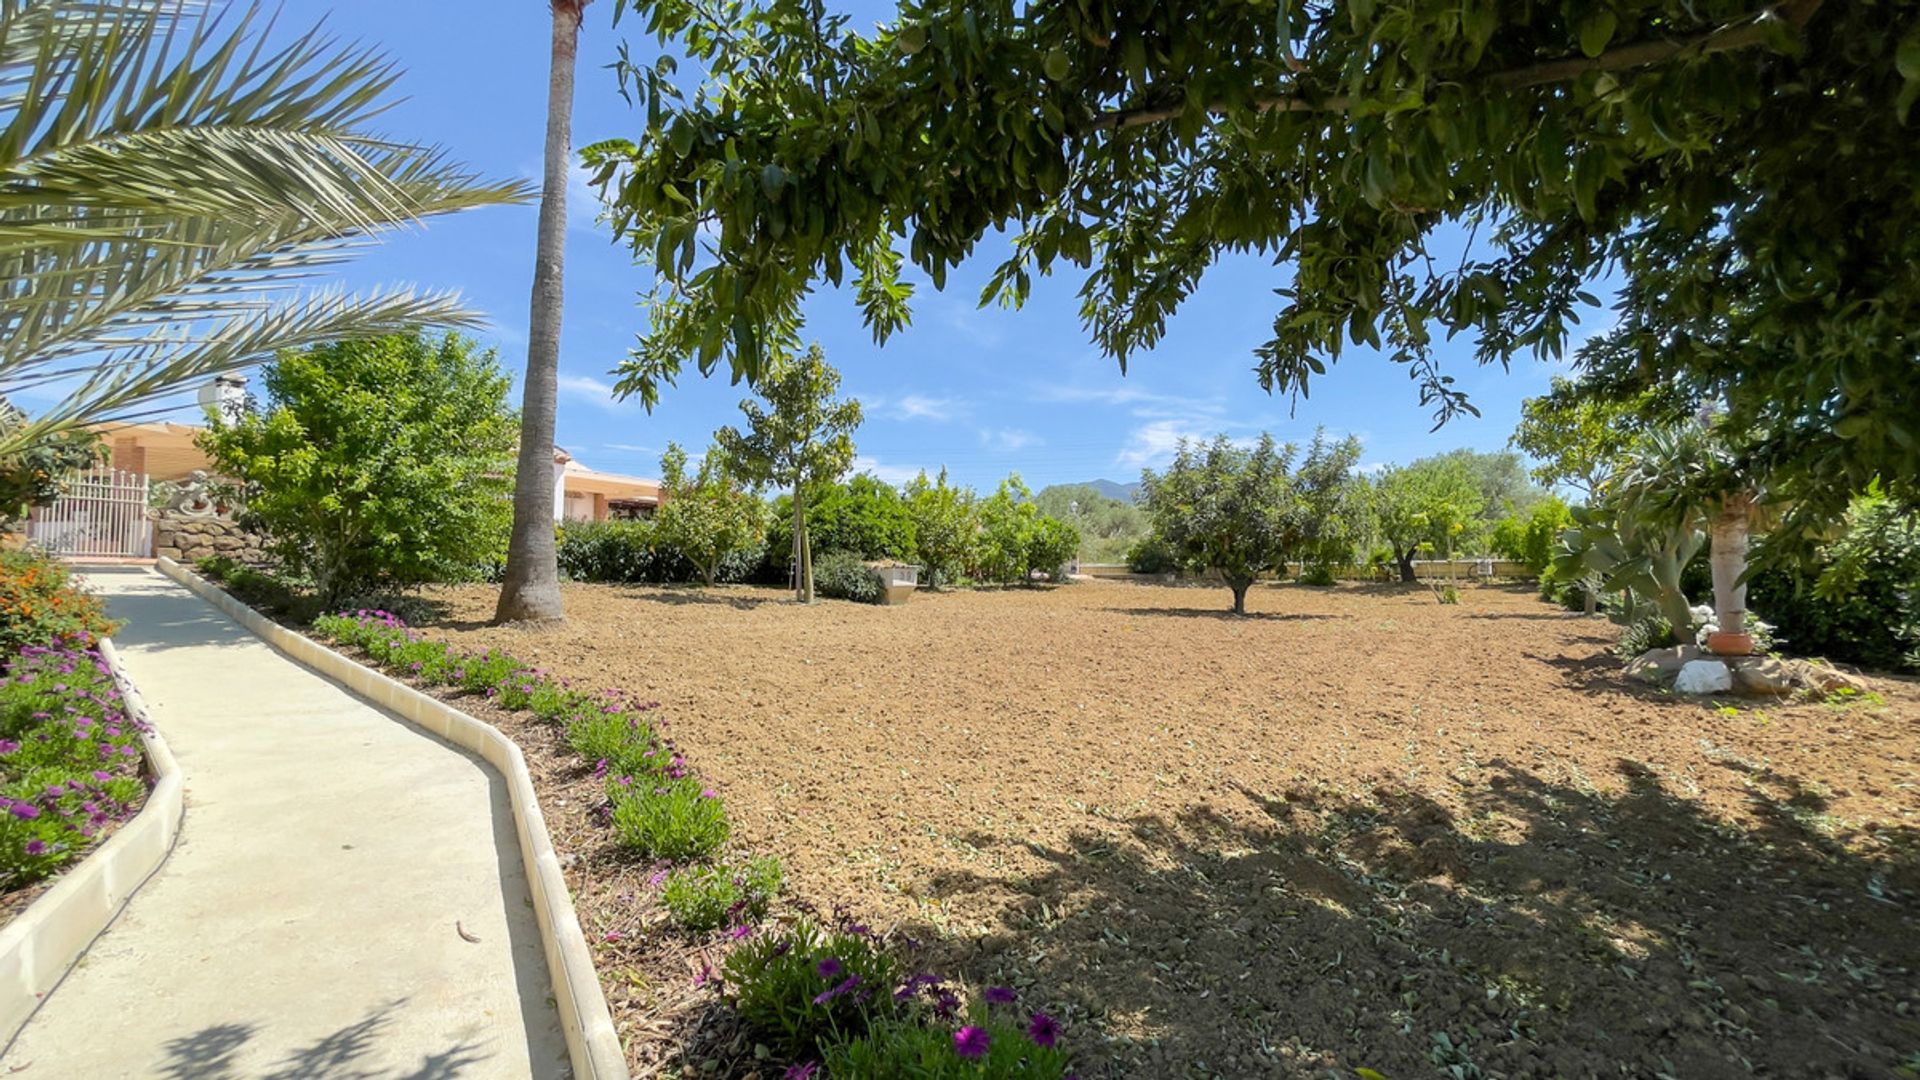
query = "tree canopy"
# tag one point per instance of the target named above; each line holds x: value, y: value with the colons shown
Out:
x: 1415, y: 170
x: 1434, y: 501
x: 376, y: 464
x: 1224, y: 507
x: 708, y: 514
x: 801, y: 437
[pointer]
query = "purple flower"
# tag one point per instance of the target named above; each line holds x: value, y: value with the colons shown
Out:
x: 613, y: 935
x: 8, y: 746
x: 845, y: 985
x: 103, y: 777
x: 742, y: 932
x: 600, y: 768
x: 36, y: 847
x: 707, y: 793
x: 1044, y: 1030
x: 800, y: 1072
x: 945, y: 1004
x: 971, y: 1042
x: 1000, y: 995
x: 828, y: 968
x: 25, y: 811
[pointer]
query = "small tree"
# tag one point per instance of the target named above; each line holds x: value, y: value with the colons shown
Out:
x: 375, y: 464
x: 1051, y: 545
x: 946, y: 526
x: 1432, y: 501
x: 1533, y: 537
x: 1327, y: 520
x: 1224, y: 507
x: 708, y: 515
x: 800, y: 439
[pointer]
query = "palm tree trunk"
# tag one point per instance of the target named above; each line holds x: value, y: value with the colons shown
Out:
x: 531, y: 589
x: 1728, y: 559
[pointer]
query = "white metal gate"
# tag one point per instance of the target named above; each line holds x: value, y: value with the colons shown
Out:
x: 101, y: 512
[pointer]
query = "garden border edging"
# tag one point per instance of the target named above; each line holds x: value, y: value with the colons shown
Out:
x: 593, y: 1046
x: 42, y: 944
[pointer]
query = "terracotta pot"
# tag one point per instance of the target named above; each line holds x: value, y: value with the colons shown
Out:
x: 1722, y: 643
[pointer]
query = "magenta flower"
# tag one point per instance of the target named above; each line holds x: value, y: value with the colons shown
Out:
x: 600, y: 768
x: 828, y: 968
x: 613, y: 935
x: 707, y: 793
x: 800, y: 1072
x: 1000, y: 995
x: 36, y: 847
x: 1044, y: 1030
x: 971, y: 1042
x: 742, y: 932
x: 25, y: 811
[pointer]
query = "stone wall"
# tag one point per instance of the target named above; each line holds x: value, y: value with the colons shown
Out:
x: 186, y: 537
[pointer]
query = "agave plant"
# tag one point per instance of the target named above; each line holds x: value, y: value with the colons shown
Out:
x: 170, y: 182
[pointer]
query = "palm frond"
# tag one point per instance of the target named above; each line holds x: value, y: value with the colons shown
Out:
x: 165, y: 177
x: 145, y: 371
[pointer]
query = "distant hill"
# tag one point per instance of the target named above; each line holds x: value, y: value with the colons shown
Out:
x: 1112, y: 490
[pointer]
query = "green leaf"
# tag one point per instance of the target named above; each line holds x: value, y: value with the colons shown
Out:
x: 1906, y: 59
x: 1057, y: 66
x: 1596, y: 30
x: 911, y: 39
x: 772, y: 179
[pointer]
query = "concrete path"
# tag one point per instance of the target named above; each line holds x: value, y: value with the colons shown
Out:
x: 308, y: 924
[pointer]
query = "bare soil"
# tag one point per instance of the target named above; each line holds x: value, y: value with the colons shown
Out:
x: 1355, y: 829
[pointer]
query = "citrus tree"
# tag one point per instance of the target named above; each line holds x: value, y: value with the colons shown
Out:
x: 798, y: 437
x: 375, y: 464
x: 709, y: 513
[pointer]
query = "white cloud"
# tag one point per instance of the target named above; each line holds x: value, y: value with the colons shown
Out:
x: 890, y: 474
x: 922, y: 407
x: 1007, y: 439
x: 1144, y: 403
x: 629, y: 448
x: 1153, y: 444
x: 585, y: 386
x: 914, y: 407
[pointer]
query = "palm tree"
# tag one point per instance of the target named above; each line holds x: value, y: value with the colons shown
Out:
x: 166, y: 179
x: 531, y: 588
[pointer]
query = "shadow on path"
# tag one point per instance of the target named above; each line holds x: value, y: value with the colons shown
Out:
x: 208, y: 1054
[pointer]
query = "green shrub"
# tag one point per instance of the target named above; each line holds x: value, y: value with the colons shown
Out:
x: 40, y: 605
x: 69, y: 760
x: 676, y: 820
x: 1152, y: 555
x: 1651, y: 632
x: 635, y: 553
x: 802, y: 988
x: 1858, y: 600
x: 1051, y: 545
x: 840, y: 575
x: 865, y: 516
x: 1317, y: 574
x: 702, y: 898
x: 621, y: 739
x: 905, y: 1050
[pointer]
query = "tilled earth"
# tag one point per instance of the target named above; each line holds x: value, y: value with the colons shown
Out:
x: 1357, y: 829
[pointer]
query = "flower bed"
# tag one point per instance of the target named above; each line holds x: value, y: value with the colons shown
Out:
x: 70, y: 761
x: 789, y: 986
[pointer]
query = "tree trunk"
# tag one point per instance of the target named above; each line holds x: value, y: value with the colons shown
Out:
x: 531, y: 587
x: 1239, y: 587
x: 802, y: 549
x: 1405, y: 560
x: 1590, y: 590
x: 1728, y: 559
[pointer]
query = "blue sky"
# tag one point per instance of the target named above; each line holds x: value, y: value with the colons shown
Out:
x: 983, y: 392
